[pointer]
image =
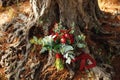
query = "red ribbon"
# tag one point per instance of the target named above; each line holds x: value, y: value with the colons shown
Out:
x: 84, y: 57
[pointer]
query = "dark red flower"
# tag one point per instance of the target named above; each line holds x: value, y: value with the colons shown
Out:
x: 71, y: 39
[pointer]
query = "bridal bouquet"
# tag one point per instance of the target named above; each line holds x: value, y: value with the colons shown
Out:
x: 62, y: 42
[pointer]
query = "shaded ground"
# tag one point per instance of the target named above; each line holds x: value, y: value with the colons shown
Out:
x: 7, y: 14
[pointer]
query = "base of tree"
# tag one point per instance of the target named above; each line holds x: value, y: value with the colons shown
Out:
x: 22, y: 61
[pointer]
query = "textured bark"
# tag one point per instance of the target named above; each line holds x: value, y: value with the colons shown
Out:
x: 81, y: 12
x: 6, y: 3
x: 18, y: 59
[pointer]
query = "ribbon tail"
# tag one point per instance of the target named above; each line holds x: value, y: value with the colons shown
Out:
x: 93, y: 62
x: 82, y: 64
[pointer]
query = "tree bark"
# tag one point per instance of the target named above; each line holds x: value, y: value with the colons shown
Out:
x: 83, y: 13
x: 6, y: 3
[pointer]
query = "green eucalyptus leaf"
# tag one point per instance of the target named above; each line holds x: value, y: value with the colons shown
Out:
x: 43, y: 50
x: 39, y: 41
x: 71, y: 56
x: 66, y: 55
x: 35, y: 38
x: 48, y: 47
x: 81, y: 45
x: 66, y: 48
x: 57, y: 47
x: 72, y: 31
x: 62, y: 49
x: 48, y: 40
x: 44, y: 42
x: 81, y: 37
x: 73, y: 24
x: 32, y: 41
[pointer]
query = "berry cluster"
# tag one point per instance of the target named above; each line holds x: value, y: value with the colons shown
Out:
x: 63, y: 37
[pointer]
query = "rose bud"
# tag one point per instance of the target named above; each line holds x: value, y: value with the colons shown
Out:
x: 67, y: 35
x: 63, y: 40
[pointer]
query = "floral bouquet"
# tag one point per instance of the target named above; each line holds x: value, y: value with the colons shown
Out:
x: 62, y: 42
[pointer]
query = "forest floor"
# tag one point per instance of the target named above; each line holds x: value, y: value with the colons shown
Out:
x: 8, y: 13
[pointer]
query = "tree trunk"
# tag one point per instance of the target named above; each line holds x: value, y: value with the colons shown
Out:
x: 83, y: 13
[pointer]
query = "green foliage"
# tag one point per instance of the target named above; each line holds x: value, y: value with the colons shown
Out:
x: 81, y: 45
x: 34, y: 40
x: 69, y: 55
x: 66, y: 48
x: 56, y: 48
x: 81, y: 41
x: 81, y: 37
x: 43, y: 49
x: 68, y: 52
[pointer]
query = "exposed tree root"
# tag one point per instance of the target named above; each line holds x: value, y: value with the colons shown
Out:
x: 50, y: 61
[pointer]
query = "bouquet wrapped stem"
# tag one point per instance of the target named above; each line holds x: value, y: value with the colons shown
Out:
x: 59, y: 62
